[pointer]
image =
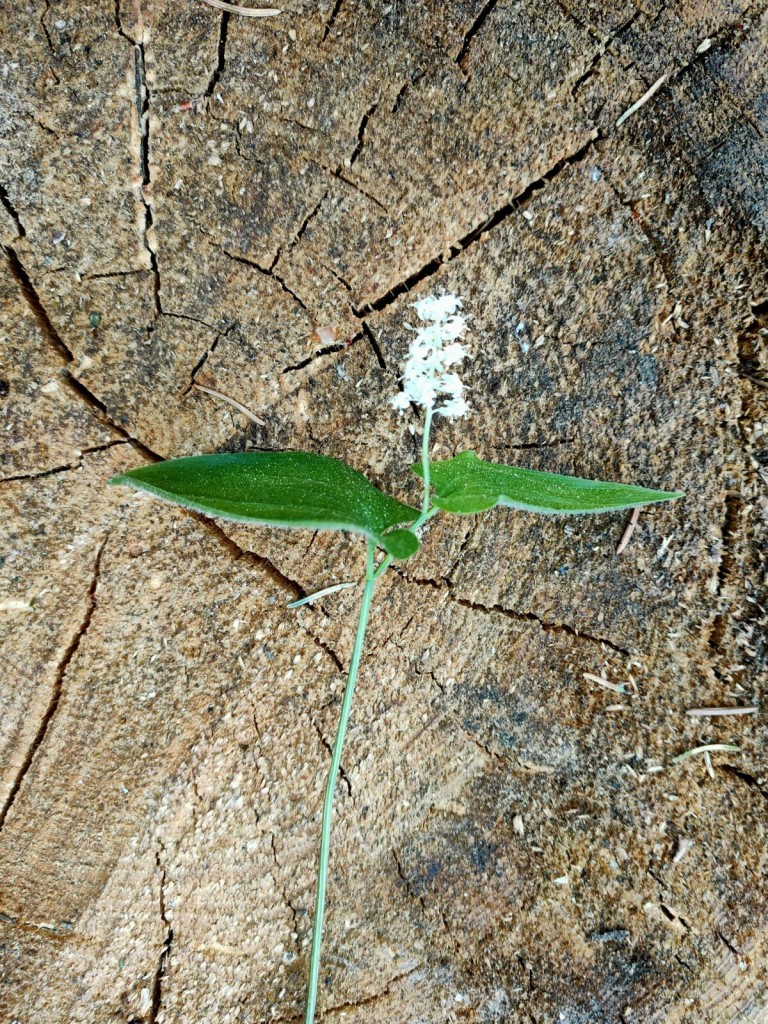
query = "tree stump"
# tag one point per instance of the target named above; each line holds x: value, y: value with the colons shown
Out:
x: 191, y: 196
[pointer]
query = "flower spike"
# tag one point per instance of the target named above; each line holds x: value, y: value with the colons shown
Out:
x: 434, y: 349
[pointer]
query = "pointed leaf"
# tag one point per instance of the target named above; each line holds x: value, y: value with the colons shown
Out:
x: 293, y: 489
x: 465, y: 484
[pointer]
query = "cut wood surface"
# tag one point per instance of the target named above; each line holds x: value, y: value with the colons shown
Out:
x: 254, y: 205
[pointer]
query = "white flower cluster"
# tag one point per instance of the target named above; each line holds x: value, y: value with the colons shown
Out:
x: 431, y: 352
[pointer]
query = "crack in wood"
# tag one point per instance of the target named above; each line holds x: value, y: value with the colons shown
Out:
x: 601, y: 52
x: 206, y: 355
x: 242, y: 554
x: 326, y: 350
x: 338, y: 173
x: 165, y: 951
x: 329, y: 24
x: 403, y: 91
x: 472, y: 31
x: 727, y: 944
x: 303, y: 226
x: 10, y: 209
x: 39, y: 474
x: 221, y: 55
x: 361, y: 132
x: 44, y: 27
x: 374, y: 343
x: 745, y: 777
x: 47, y: 329
x: 282, y: 888
x: 548, y: 627
x: 266, y: 271
x: 342, y: 771
x: 512, y: 206
x: 343, y: 1008
x: 57, y: 691
x: 143, y: 98
x: 327, y: 649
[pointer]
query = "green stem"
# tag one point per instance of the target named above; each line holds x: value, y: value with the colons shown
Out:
x: 426, y: 511
x: 371, y: 577
x: 425, y: 461
x: 330, y: 786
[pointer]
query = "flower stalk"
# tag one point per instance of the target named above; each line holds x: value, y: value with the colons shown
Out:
x: 330, y: 786
x: 371, y: 576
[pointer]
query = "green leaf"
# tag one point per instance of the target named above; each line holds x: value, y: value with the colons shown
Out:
x: 293, y: 489
x: 465, y: 484
x: 400, y: 543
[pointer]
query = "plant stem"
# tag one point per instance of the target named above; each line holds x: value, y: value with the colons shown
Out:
x: 425, y: 460
x: 330, y: 786
x: 426, y: 511
x: 371, y: 577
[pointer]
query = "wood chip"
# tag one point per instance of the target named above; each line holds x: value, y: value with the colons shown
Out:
x: 712, y: 712
x: 643, y: 99
x: 600, y: 681
x: 325, y: 335
x: 232, y: 401
x: 246, y: 12
x: 683, y: 846
x: 629, y: 530
x: 729, y: 748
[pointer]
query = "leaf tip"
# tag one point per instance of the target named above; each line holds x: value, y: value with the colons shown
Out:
x: 119, y: 481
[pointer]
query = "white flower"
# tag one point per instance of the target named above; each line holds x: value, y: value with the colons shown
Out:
x: 437, y: 307
x: 431, y: 352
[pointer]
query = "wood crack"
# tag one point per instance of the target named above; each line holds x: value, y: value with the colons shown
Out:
x: 143, y: 97
x: 548, y: 627
x: 343, y: 1008
x: 338, y: 173
x: 291, y: 586
x: 58, y: 689
x: 221, y: 55
x: 601, y: 52
x: 373, y: 341
x: 745, y: 777
x: 206, y: 355
x: 329, y: 748
x: 331, y: 20
x: 326, y: 350
x: 47, y: 329
x: 165, y: 951
x: 288, y: 902
x: 361, y: 132
x: 472, y: 31
x: 10, y: 209
x: 266, y: 271
x: 68, y: 467
x: 327, y: 649
x: 512, y: 206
